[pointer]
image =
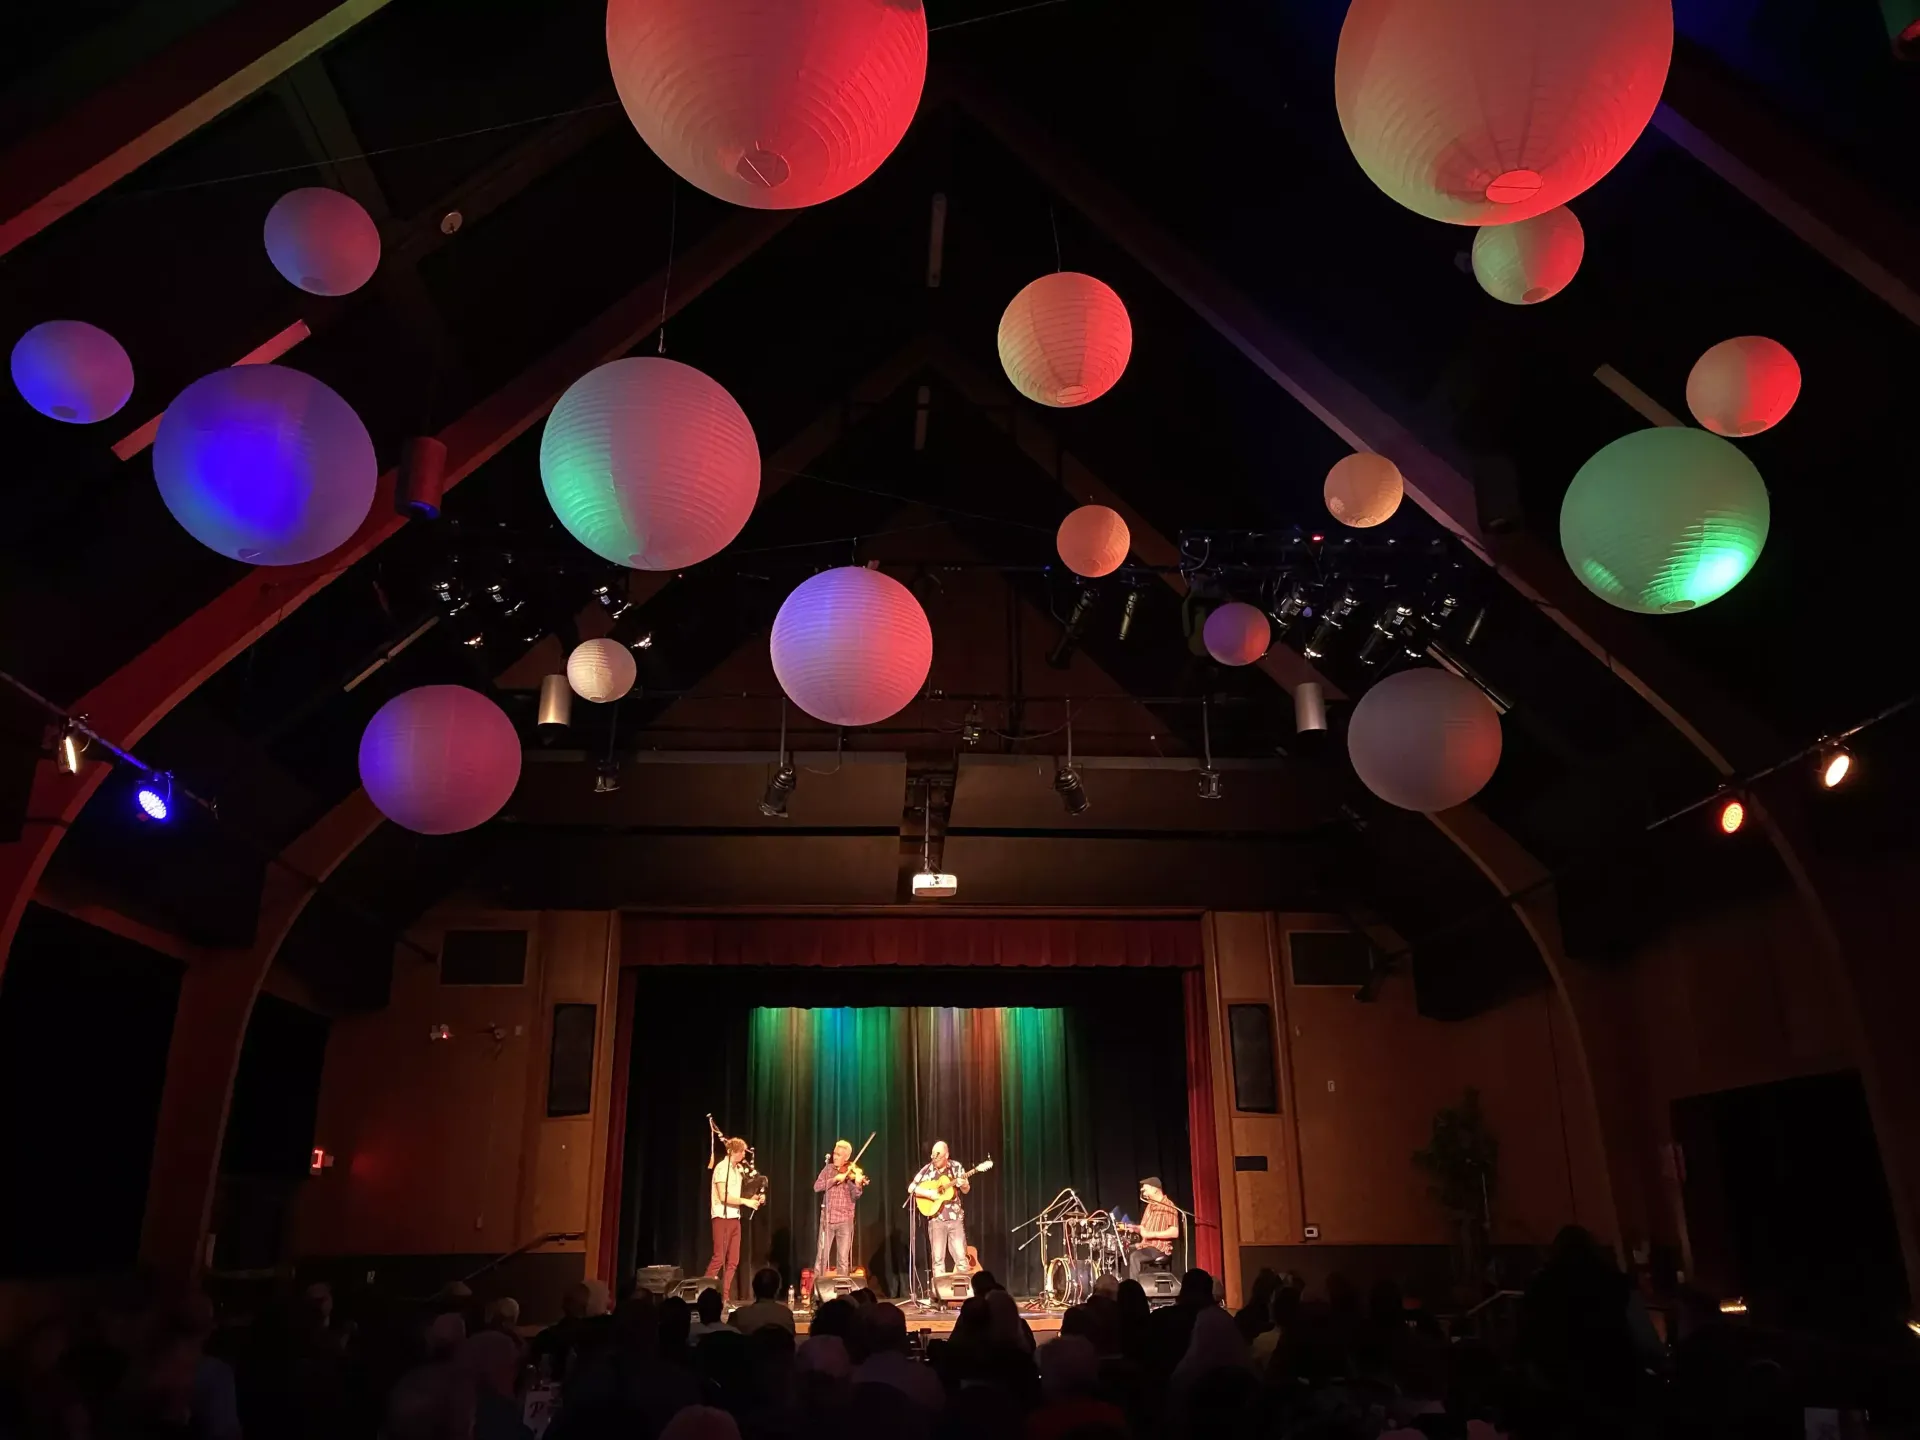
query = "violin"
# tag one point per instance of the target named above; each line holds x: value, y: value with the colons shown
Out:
x: 851, y: 1172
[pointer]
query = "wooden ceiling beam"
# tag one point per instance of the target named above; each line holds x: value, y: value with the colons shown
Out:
x: 112, y: 133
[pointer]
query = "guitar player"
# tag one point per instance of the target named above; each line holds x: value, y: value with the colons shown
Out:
x: 947, y: 1226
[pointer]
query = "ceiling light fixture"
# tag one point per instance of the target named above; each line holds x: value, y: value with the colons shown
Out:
x: 1386, y: 627
x: 1061, y: 655
x: 1066, y: 779
x: 970, y: 728
x: 606, y: 775
x: 72, y: 745
x: 1209, y: 786
x: 928, y: 883
x: 773, y: 804
x: 1332, y: 621
x: 1126, y: 612
x: 1730, y: 815
x: 1835, y: 766
x: 155, y: 796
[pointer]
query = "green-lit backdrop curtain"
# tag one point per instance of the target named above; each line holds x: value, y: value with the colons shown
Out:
x: 993, y: 1083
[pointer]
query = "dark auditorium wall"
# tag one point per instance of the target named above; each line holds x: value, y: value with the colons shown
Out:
x: 85, y: 1020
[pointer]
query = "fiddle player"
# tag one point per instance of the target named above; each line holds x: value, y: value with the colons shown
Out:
x: 839, y: 1186
x: 947, y: 1227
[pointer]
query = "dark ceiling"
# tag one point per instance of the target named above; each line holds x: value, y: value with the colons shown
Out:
x: 1214, y: 119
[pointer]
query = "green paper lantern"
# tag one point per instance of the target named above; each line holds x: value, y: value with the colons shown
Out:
x: 1664, y: 520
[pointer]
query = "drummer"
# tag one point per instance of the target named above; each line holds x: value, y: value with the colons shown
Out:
x: 1159, y: 1230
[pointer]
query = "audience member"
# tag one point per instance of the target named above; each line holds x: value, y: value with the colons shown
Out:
x: 502, y: 1314
x: 1257, y: 1314
x: 701, y: 1422
x: 491, y: 1363
x: 889, y: 1359
x: 767, y: 1307
x: 1069, y: 1391
x: 707, y: 1316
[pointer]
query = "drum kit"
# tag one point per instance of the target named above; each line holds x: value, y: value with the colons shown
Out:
x: 1077, y: 1247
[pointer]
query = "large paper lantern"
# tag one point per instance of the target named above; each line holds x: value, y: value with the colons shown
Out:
x: 773, y: 104
x: 650, y: 463
x: 1065, y: 339
x: 1486, y: 112
x: 1237, y: 633
x: 601, y: 670
x: 1363, y: 490
x: 1664, y: 520
x: 1093, y: 541
x: 851, y: 646
x: 1743, y: 386
x: 322, y: 241
x: 1530, y: 261
x: 72, y: 371
x: 1424, y: 740
x: 265, y: 465
x: 439, y: 759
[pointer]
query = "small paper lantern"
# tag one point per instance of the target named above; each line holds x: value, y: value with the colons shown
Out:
x: 1424, y: 740
x: 265, y: 464
x: 1093, y: 541
x: 439, y: 759
x: 322, y: 241
x: 1363, y: 490
x: 601, y: 670
x: 1531, y: 261
x: 1664, y: 520
x: 72, y: 371
x: 650, y: 463
x: 1237, y: 633
x: 851, y: 646
x: 772, y: 104
x: 1065, y: 339
x: 1486, y: 112
x: 1743, y: 386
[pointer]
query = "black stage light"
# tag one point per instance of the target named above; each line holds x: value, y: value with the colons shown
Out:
x: 1062, y: 653
x: 1834, y: 766
x: 1073, y: 795
x: 1386, y: 626
x: 1126, y: 611
x: 1332, y: 621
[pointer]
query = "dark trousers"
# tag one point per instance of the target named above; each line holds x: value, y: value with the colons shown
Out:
x: 1140, y: 1259
x: 726, y: 1254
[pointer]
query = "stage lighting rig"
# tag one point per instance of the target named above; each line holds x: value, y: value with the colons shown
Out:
x: 971, y: 727
x: 1126, y: 611
x: 1833, y: 766
x: 70, y: 747
x: 1332, y: 621
x: 1061, y: 655
x: 1388, y: 627
x: 1287, y: 611
x: 606, y: 774
x: 773, y: 803
x: 614, y: 604
x: 154, y: 797
x: 1209, y: 784
x: 1066, y: 778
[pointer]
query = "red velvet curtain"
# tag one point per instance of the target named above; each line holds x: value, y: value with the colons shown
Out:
x: 880, y: 940
x: 617, y: 1126
x: 1208, y: 1252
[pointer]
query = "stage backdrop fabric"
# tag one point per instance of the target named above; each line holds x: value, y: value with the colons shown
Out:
x: 1086, y: 1086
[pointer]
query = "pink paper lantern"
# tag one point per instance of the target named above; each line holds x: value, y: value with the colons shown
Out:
x: 322, y: 241
x: 72, y: 371
x: 650, y: 463
x: 1065, y: 340
x: 1532, y: 260
x: 1424, y: 740
x: 1093, y: 541
x: 1487, y: 112
x: 772, y: 104
x: 1237, y: 633
x: 439, y: 759
x: 851, y: 646
x: 1743, y: 386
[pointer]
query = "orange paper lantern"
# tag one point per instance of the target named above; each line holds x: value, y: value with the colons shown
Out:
x: 1065, y: 339
x: 1237, y: 633
x: 772, y: 104
x: 1364, y: 490
x: 1532, y: 261
x: 1743, y: 386
x: 1487, y: 112
x: 1093, y: 541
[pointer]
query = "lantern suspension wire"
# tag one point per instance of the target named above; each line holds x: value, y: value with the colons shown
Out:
x: 1053, y: 219
x: 996, y: 15
x: 673, y: 227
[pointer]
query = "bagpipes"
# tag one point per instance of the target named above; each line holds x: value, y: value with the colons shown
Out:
x: 753, y: 1185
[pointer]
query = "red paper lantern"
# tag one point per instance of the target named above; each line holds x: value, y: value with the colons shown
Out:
x: 1486, y: 112
x: 772, y: 104
x: 1237, y: 633
x: 1743, y: 386
x: 1065, y: 339
x: 439, y: 759
x: 1531, y: 261
x: 322, y: 241
x: 851, y: 646
x: 1093, y: 541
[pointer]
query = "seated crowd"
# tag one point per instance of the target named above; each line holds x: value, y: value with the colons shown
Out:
x: 1287, y: 1365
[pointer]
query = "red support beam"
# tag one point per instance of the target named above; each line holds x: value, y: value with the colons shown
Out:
x: 134, y: 698
x: 111, y: 134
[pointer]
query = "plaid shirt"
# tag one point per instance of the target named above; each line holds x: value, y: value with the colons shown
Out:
x: 954, y: 1209
x: 1160, y: 1216
x: 838, y: 1205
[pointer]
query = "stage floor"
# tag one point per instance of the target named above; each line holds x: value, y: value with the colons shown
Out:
x: 1041, y: 1321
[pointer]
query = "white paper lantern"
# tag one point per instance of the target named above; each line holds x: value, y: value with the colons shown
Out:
x: 322, y: 241
x: 1065, y: 339
x: 772, y: 104
x: 1486, y: 112
x: 439, y: 759
x: 264, y: 464
x: 601, y: 670
x: 72, y: 371
x: 650, y: 463
x: 1237, y: 633
x: 1424, y: 740
x: 1093, y: 541
x: 851, y: 646
x: 1363, y: 490
x: 1531, y: 261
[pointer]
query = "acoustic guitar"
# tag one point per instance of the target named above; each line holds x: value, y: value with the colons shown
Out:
x: 930, y: 1195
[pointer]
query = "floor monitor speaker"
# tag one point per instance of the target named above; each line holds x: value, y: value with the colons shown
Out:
x: 658, y: 1279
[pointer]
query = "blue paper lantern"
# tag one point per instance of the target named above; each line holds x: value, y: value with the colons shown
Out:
x: 265, y: 464
x: 72, y: 371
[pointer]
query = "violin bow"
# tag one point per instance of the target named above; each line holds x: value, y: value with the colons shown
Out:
x: 863, y: 1150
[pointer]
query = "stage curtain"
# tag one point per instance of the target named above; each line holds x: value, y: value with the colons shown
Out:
x: 865, y: 941
x: 1209, y: 1252
x: 610, y: 1210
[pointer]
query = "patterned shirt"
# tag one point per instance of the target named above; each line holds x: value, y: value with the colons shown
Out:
x: 954, y: 1209
x: 1160, y: 1216
x: 840, y: 1198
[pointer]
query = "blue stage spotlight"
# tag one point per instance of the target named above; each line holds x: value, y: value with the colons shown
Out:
x: 155, y: 795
